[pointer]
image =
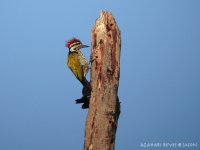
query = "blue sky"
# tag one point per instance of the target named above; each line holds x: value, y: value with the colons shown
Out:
x: 159, y: 82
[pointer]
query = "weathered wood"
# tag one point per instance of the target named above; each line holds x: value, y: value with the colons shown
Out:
x: 103, y: 114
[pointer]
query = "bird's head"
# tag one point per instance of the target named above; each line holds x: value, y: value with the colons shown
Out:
x: 75, y: 45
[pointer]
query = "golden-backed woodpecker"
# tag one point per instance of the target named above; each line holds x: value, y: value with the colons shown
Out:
x: 79, y: 66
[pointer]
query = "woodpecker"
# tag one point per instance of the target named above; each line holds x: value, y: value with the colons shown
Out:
x: 79, y: 66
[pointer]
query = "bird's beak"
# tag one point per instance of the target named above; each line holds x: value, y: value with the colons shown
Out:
x: 83, y: 46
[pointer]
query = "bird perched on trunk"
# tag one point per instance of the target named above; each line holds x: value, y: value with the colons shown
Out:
x: 79, y: 66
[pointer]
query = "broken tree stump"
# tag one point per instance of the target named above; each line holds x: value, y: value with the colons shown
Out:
x: 104, y: 109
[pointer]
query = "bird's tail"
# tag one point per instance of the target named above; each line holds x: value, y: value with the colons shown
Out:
x: 84, y: 82
x: 86, y: 92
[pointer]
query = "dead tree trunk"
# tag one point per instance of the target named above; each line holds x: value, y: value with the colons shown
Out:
x: 103, y: 114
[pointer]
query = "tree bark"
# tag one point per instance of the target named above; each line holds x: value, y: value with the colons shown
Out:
x: 104, y: 109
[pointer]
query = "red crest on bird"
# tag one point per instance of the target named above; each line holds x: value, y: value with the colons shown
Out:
x: 71, y: 41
